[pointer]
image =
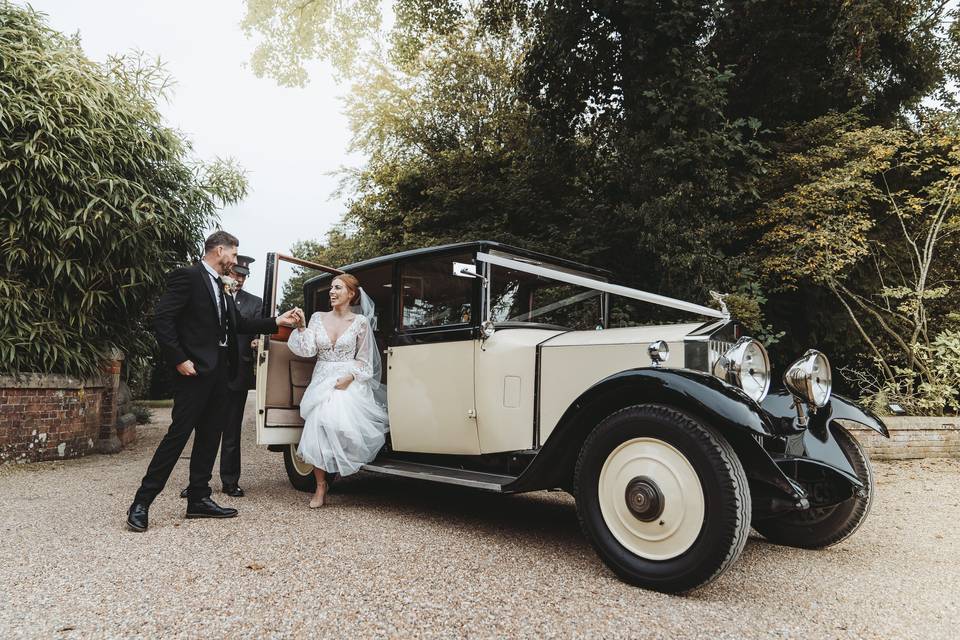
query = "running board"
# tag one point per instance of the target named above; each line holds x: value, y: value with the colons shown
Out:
x: 432, y: 473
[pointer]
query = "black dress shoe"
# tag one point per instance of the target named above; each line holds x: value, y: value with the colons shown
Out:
x: 183, y: 494
x: 233, y: 490
x: 207, y: 508
x: 137, y: 517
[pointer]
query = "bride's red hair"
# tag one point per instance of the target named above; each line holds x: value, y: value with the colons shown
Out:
x: 351, y: 283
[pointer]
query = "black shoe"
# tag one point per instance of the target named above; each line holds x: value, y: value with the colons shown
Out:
x: 233, y: 490
x: 137, y: 517
x: 207, y: 508
x: 183, y: 494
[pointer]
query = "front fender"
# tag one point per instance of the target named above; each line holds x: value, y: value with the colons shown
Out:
x: 779, y: 406
x: 709, y: 398
x: 706, y: 397
x: 843, y: 409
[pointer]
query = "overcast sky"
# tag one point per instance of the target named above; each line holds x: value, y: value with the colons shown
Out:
x: 288, y: 140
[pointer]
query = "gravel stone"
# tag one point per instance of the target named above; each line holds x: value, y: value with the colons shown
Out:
x: 395, y: 558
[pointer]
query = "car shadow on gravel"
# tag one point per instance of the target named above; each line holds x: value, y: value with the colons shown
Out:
x: 540, y: 516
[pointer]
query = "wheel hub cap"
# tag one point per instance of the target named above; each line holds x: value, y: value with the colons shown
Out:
x: 644, y: 499
x: 651, y: 498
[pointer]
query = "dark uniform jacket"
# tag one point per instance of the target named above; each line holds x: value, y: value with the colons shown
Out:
x: 250, y: 307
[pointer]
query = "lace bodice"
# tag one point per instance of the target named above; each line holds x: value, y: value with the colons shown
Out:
x: 353, y: 348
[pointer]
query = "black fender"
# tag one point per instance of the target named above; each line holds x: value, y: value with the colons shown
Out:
x: 782, y: 414
x: 844, y: 409
x: 815, y: 445
x: 706, y: 397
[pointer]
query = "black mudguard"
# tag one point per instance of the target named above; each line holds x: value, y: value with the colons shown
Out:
x: 815, y: 443
x: 704, y: 396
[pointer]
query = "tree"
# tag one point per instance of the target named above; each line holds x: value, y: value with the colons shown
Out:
x: 648, y: 137
x: 97, y: 198
x: 874, y: 220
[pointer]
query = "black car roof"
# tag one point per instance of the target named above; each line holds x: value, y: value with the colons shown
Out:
x: 477, y: 245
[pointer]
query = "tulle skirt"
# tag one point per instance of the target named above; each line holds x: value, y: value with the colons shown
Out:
x: 344, y: 429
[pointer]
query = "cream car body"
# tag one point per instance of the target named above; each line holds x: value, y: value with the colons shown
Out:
x: 505, y: 372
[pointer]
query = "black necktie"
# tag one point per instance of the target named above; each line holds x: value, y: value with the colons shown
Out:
x: 223, y: 311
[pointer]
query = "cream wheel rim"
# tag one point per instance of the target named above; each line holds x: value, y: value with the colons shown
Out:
x: 301, y: 466
x: 666, y: 528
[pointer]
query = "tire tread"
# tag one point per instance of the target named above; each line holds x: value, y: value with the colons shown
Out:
x: 740, y: 508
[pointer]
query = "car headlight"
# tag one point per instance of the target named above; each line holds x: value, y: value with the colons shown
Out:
x: 746, y: 365
x: 659, y: 352
x: 810, y: 379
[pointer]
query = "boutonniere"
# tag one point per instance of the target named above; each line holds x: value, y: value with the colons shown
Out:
x: 230, y: 285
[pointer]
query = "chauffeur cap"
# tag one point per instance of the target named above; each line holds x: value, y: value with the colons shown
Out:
x: 242, y: 267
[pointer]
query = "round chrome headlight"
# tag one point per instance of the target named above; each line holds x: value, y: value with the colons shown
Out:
x: 810, y: 379
x: 746, y: 365
x: 659, y: 352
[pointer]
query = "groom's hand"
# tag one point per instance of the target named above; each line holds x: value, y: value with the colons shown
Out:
x: 291, y: 318
x: 186, y: 368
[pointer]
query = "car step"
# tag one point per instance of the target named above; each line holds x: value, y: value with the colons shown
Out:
x: 433, y: 473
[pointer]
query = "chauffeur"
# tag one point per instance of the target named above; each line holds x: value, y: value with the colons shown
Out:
x: 249, y: 306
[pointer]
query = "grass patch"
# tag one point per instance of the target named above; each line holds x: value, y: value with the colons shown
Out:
x: 156, y: 404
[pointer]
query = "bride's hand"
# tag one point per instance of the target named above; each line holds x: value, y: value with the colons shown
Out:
x: 344, y: 382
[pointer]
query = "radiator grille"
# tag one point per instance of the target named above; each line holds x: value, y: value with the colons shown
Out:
x: 716, y: 348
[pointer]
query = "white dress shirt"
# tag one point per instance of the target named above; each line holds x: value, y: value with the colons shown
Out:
x: 214, y: 276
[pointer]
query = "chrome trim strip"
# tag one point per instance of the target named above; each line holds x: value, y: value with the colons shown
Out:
x: 424, y: 474
x: 599, y: 285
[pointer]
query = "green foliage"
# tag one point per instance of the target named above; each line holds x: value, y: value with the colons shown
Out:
x: 296, y: 31
x: 689, y: 146
x: 97, y: 199
x: 143, y: 414
x: 938, y: 395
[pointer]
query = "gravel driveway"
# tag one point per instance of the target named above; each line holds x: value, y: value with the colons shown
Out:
x: 397, y: 558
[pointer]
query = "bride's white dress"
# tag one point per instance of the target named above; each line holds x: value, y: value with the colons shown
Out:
x: 344, y: 429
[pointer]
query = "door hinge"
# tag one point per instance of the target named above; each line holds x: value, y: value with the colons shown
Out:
x: 472, y: 414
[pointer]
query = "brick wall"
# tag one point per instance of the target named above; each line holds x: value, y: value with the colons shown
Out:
x: 911, y: 437
x: 49, y: 417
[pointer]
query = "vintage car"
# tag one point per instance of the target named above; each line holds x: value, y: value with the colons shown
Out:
x: 505, y: 372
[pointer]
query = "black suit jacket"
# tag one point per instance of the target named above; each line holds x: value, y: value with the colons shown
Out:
x: 186, y: 323
x: 250, y: 307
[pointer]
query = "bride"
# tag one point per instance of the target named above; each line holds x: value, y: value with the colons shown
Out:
x: 343, y: 409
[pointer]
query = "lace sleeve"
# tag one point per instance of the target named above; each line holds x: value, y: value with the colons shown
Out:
x: 303, y: 342
x: 364, y: 363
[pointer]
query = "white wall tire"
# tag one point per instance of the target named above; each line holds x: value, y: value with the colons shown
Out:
x: 299, y: 472
x: 647, y: 464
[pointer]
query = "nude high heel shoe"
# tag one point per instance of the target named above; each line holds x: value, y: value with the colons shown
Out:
x: 320, y: 496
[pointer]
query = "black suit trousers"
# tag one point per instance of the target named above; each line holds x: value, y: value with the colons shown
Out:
x: 198, y: 406
x: 230, y: 446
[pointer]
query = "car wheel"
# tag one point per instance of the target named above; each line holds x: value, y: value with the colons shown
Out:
x: 662, y: 498
x: 299, y: 471
x: 826, y: 526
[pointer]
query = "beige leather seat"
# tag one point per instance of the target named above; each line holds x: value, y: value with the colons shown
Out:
x: 287, y: 378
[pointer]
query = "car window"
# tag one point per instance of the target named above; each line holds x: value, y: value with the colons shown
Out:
x: 432, y: 295
x: 516, y: 296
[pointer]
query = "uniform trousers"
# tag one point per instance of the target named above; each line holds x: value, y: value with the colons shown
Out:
x: 230, y: 446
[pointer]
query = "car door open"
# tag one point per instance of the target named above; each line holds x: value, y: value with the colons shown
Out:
x: 282, y: 377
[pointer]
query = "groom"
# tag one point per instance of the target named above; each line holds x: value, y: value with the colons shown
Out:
x: 196, y: 325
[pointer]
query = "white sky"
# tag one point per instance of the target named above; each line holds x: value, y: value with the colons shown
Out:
x: 287, y: 140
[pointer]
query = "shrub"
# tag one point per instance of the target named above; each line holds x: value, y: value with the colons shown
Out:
x: 143, y: 414
x: 98, y: 198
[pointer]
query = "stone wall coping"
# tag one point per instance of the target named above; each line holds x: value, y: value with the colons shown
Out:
x: 907, y: 423
x: 50, y: 381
